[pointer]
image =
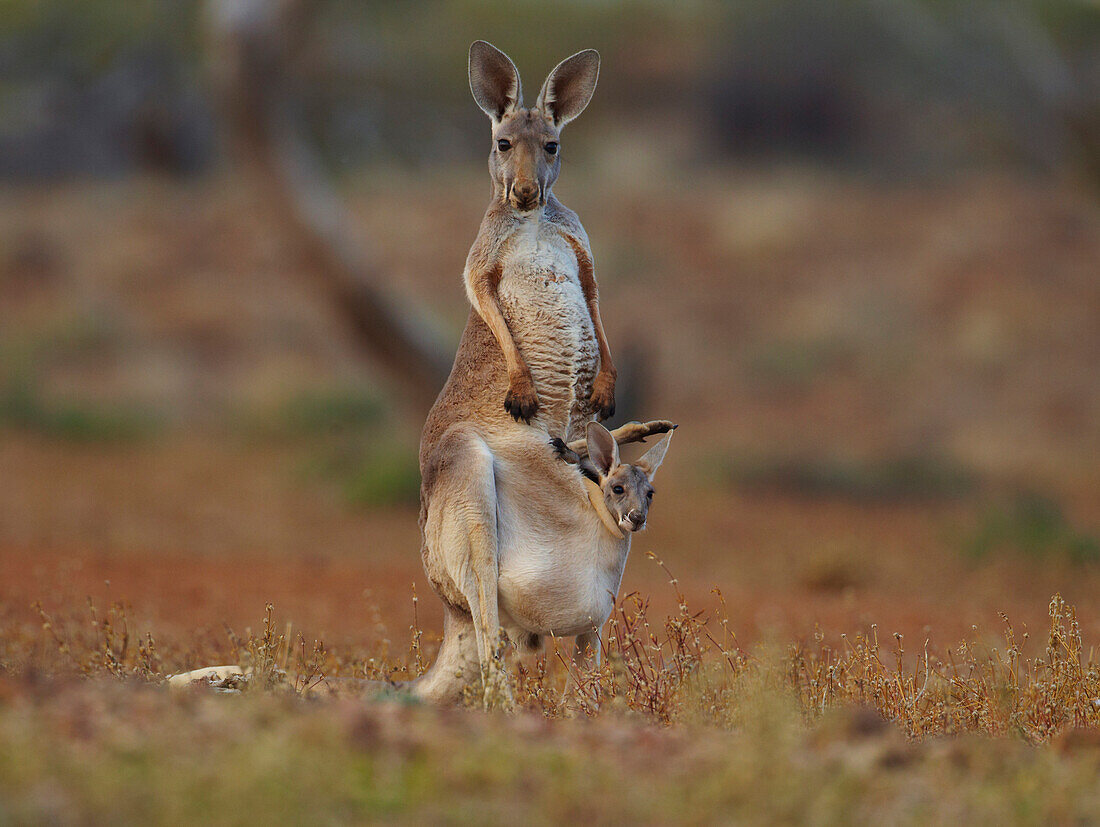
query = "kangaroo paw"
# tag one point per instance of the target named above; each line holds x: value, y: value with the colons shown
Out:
x: 603, y: 396
x: 521, y: 401
x: 563, y: 451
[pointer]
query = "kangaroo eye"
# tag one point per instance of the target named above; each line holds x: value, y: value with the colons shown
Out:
x: 504, y: 145
x: 552, y: 147
x: 649, y: 495
x: 618, y: 489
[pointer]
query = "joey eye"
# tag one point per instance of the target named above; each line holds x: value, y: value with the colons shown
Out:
x: 552, y: 147
x: 618, y: 489
x: 504, y: 144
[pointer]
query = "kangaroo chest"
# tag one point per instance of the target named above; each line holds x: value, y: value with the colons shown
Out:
x: 543, y: 303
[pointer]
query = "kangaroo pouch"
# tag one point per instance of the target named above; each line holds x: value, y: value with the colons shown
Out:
x: 559, y: 567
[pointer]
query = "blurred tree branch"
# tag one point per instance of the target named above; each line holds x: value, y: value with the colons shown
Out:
x: 253, y: 47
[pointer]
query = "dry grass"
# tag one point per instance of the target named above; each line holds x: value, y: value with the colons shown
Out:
x: 689, y: 727
x: 688, y: 668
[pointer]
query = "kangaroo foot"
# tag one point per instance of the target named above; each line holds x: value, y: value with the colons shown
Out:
x: 630, y: 432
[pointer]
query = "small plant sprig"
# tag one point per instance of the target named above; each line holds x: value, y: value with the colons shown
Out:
x: 106, y: 646
x: 266, y: 656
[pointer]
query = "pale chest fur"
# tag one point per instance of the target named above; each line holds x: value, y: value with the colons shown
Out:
x: 543, y: 303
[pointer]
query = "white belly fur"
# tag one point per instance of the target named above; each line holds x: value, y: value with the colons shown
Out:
x: 542, y: 300
x: 559, y: 568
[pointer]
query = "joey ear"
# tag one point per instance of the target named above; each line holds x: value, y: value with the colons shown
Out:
x: 494, y: 80
x: 603, y: 450
x: 651, y: 460
x: 569, y: 88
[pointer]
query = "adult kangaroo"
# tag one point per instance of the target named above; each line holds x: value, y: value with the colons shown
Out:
x: 510, y: 538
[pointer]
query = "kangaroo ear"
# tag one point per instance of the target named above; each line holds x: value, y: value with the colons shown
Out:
x: 569, y: 87
x: 603, y: 450
x: 494, y: 80
x: 651, y: 460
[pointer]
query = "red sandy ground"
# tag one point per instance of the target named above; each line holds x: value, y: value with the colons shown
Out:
x: 785, y: 565
x: 957, y: 319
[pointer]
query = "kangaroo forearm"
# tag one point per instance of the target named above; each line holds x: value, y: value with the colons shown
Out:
x: 587, y: 274
x: 482, y: 286
x: 494, y: 318
x: 606, y: 364
x: 487, y: 301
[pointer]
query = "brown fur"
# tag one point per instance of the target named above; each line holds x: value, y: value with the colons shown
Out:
x: 522, y: 170
x: 470, y: 448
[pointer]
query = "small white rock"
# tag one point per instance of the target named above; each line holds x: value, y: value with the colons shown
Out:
x: 210, y: 674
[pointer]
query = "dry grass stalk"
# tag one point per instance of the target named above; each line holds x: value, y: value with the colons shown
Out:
x: 689, y: 668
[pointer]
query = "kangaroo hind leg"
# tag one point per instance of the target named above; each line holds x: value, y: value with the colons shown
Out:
x: 462, y: 525
x: 455, y: 665
x: 583, y: 683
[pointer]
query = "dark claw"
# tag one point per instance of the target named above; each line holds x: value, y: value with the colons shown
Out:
x: 604, y: 408
x: 564, y: 452
x: 520, y: 408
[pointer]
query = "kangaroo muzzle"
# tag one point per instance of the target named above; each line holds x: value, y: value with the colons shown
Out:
x: 525, y: 195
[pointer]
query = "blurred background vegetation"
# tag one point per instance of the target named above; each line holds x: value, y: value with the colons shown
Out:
x: 852, y: 246
x: 890, y: 86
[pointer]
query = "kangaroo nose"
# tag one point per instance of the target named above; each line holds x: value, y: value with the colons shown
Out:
x: 525, y: 190
x: 636, y: 517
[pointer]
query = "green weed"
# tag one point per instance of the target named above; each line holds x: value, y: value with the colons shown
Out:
x: 903, y: 477
x: 1031, y: 525
x: 24, y: 408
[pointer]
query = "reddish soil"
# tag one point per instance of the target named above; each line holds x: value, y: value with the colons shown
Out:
x: 782, y: 318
